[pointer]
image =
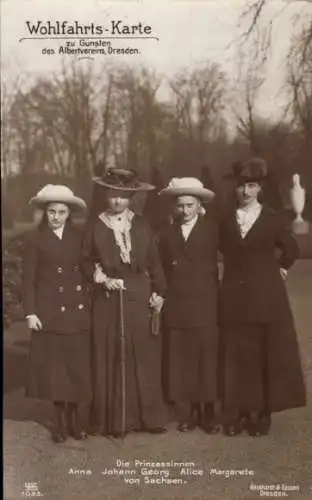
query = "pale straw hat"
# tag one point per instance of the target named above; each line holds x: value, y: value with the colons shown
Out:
x: 188, y: 186
x: 53, y: 193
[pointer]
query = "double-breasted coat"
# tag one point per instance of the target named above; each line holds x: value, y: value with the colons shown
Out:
x: 54, y: 289
x: 191, y: 310
x: 261, y: 362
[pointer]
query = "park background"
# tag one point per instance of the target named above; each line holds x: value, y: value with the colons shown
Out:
x: 227, y: 79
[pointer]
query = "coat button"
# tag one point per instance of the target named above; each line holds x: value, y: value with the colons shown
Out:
x: 76, y: 268
x: 241, y: 282
x: 78, y: 288
x: 81, y: 306
x: 61, y: 289
x: 63, y: 308
x: 59, y: 269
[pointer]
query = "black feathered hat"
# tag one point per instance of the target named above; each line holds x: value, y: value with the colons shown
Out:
x: 122, y: 180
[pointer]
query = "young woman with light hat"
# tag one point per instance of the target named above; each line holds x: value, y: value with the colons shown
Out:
x: 189, y: 255
x: 57, y: 311
x: 261, y: 363
x: 120, y: 254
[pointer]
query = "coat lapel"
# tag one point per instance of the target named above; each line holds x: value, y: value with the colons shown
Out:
x: 179, y: 245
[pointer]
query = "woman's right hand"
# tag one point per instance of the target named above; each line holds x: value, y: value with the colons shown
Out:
x: 33, y: 322
x: 114, y: 284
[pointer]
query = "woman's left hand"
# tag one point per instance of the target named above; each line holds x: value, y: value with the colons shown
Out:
x: 283, y: 273
x: 156, y: 301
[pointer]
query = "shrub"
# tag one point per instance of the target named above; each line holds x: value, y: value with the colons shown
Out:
x: 12, y: 280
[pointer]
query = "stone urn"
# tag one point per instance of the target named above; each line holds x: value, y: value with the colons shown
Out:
x: 298, y: 198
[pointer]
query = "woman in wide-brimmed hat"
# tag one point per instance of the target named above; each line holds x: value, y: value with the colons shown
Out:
x: 261, y: 364
x: 120, y: 253
x: 57, y: 310
x: 188, y: 250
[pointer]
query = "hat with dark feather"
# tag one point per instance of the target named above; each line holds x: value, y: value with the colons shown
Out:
x: 122, y: 180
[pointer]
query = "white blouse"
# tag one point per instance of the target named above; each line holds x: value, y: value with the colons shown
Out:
x: 187, y: 227
x: 247, y: 216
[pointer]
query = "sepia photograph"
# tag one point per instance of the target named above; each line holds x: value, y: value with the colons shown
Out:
x: 156, y: 182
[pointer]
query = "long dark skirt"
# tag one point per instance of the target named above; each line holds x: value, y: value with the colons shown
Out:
x: 261, y: 368
x: 144, y: 402
x: 191, y: 364
x: 59, y: 367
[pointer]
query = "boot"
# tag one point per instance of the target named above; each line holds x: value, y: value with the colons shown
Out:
x: 193, y: 420
x: 59, y: 435
x: 209, y: 423
x: 74, y: 426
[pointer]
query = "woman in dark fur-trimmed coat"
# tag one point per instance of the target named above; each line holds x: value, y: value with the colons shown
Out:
x: 56, y: 305
x: 260, y: 356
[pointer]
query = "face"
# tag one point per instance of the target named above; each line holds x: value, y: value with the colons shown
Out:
x: 247, y: 193
x: 118, y: 201
x: 187, y: 207
x: 57, y: 214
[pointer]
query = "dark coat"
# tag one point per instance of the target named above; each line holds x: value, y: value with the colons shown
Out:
x: 142, y: 349
x: 252, y: 288
x: 100, y: 247
x: 192, y: 275
x: 260, y: 353
x: 53, y: 286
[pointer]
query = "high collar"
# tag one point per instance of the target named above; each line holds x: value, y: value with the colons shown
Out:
x: 191, y: 222
x: 253, y: 207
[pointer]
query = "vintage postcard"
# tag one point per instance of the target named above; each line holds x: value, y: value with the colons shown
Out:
x: 157, y: 249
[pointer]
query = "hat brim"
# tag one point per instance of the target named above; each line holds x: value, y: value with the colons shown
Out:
x: 74, y: 202
x: 143, y: 186
x: 202, y: 193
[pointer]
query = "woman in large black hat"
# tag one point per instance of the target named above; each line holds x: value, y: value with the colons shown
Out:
x: 261, y: 364
x: 120, y: 254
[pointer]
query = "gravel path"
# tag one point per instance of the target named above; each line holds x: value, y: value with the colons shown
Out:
x: 77, y: 470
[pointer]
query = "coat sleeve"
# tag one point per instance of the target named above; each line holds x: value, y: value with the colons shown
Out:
x: 87, y: 254
x: 30, y: 264
x: 287, y: 244
x: 155, y: 268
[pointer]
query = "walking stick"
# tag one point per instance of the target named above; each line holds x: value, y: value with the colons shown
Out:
x: 122, y: 364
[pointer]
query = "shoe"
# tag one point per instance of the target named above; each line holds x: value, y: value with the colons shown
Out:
x: 155, y: 430
x: 209, y: 423
x: 242, y: 423
x: 151, y: 430
x: 194, y: 419
x: 74, y: 428
x: 211, y: 427
x: 260, y: 426
x: 117, y: 435
x: 59, y: 435
x: 232, y: 429
x: 186, y: 427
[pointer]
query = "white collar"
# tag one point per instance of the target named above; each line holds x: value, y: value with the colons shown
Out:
x: 59, y: 231
x: 254, y: 207
x: 191, y: 222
